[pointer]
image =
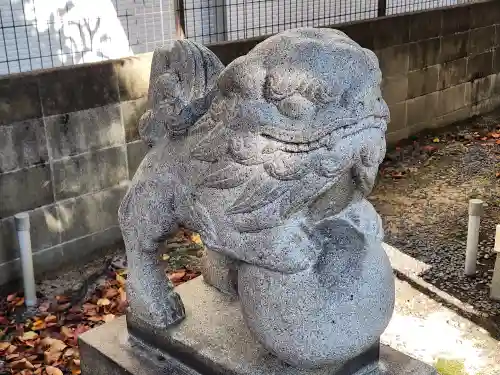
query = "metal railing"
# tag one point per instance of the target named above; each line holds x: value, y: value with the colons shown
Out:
x: 211, y: 21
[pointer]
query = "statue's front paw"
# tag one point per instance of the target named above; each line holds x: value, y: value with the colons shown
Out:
x: 156, y: 311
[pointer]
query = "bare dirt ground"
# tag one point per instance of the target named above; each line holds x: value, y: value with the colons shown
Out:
x: 422, y: 195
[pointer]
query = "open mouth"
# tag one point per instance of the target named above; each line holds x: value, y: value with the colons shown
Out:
x: 329, y: 135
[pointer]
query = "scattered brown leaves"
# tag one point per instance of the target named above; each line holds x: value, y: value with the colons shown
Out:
x: 47, y: 343
x: 182, y: 275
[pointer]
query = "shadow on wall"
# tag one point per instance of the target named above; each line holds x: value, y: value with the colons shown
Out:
x: 52, y: 33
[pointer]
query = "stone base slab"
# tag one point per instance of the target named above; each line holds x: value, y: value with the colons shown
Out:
x: 212, y: 340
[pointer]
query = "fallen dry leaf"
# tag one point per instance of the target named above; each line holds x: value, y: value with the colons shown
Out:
x: 50, y: 357
x: 177, y: 275
x: 30, y: 335
x: 123, y: 295
x: 57, y: 346
x: 22, y: 364
x: 38, y: 325
x: 121, y: 280
x: 53, y: 370
x: 111, y: 293
x: 12, y: 356
x: 103, y: 302
x: 50, y: 318
x: 64, y: 307
x: 44, y: 306
x: 67, y: 332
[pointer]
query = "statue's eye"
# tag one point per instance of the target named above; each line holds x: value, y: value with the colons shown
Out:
x: 296, y: 106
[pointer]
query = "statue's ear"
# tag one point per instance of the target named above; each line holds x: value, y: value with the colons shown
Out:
x: 182, y: 80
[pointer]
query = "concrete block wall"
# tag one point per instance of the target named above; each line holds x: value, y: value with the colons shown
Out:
x: 68, y: 147
x: 439, y: 66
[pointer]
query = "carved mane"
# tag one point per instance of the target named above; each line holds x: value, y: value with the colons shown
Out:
x: 273, y: 161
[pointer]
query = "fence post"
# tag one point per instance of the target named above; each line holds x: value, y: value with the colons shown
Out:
x: 180, y: 20
x: 382, y: 8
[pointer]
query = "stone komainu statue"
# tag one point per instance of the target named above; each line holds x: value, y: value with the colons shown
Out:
x: 270, y: 160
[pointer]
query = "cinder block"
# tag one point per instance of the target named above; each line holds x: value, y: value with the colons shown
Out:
x: 424, y: 53
x: 77, y: 88
x: 425, y: 25
x: 8, y: 242
x: 76, y: 251
x: 109, y: 201
x: 456, y: 19
x: 25, y: 189
x: 422, y: 82
x: 480, y: 66
x: 496, y: 60
x: 360, y: 33
x: 454, y: 46
x: 135, y: 153
x: 22, y: 144
x: 43, y: 261
x: 79, y: 216
x: 19, y: 99
x: 398, y: 117
x: 78, y: 132
x: 93, y: 245
x: 422, y: 108
x: 90, y: 213
x: 484, y: 14
x: 452, y: 117
x: 396, y: 136
x: 394, y: 60
x: 496, y: 86
x: 45, y: 228
x: 395, y: 89
x: 481, y: 40
x: 132, y: 111
x: 382, y: 31
x: 89, y: 172
x: 485, y: 106
x: 452, y: 99
x: 417, y: 128
x: 482, y: 88
x: 452, y: 73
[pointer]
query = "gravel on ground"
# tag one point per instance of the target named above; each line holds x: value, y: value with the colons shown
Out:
x: 422, y: 194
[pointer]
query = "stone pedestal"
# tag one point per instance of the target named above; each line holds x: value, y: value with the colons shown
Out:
x: 213, y: 339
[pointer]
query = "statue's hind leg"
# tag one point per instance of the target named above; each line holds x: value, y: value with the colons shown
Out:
x: 146, y: 219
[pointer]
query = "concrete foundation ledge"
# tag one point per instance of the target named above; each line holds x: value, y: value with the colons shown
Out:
x: 212, y: 340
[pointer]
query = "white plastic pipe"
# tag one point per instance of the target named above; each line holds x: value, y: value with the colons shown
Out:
x: 476, y: 208
x: 495, y: 281
x: 22, y: 221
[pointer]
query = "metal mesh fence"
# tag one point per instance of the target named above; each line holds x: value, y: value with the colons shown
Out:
x: 210, y: 21
x: 38, y: 34
x: 49, y: 33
